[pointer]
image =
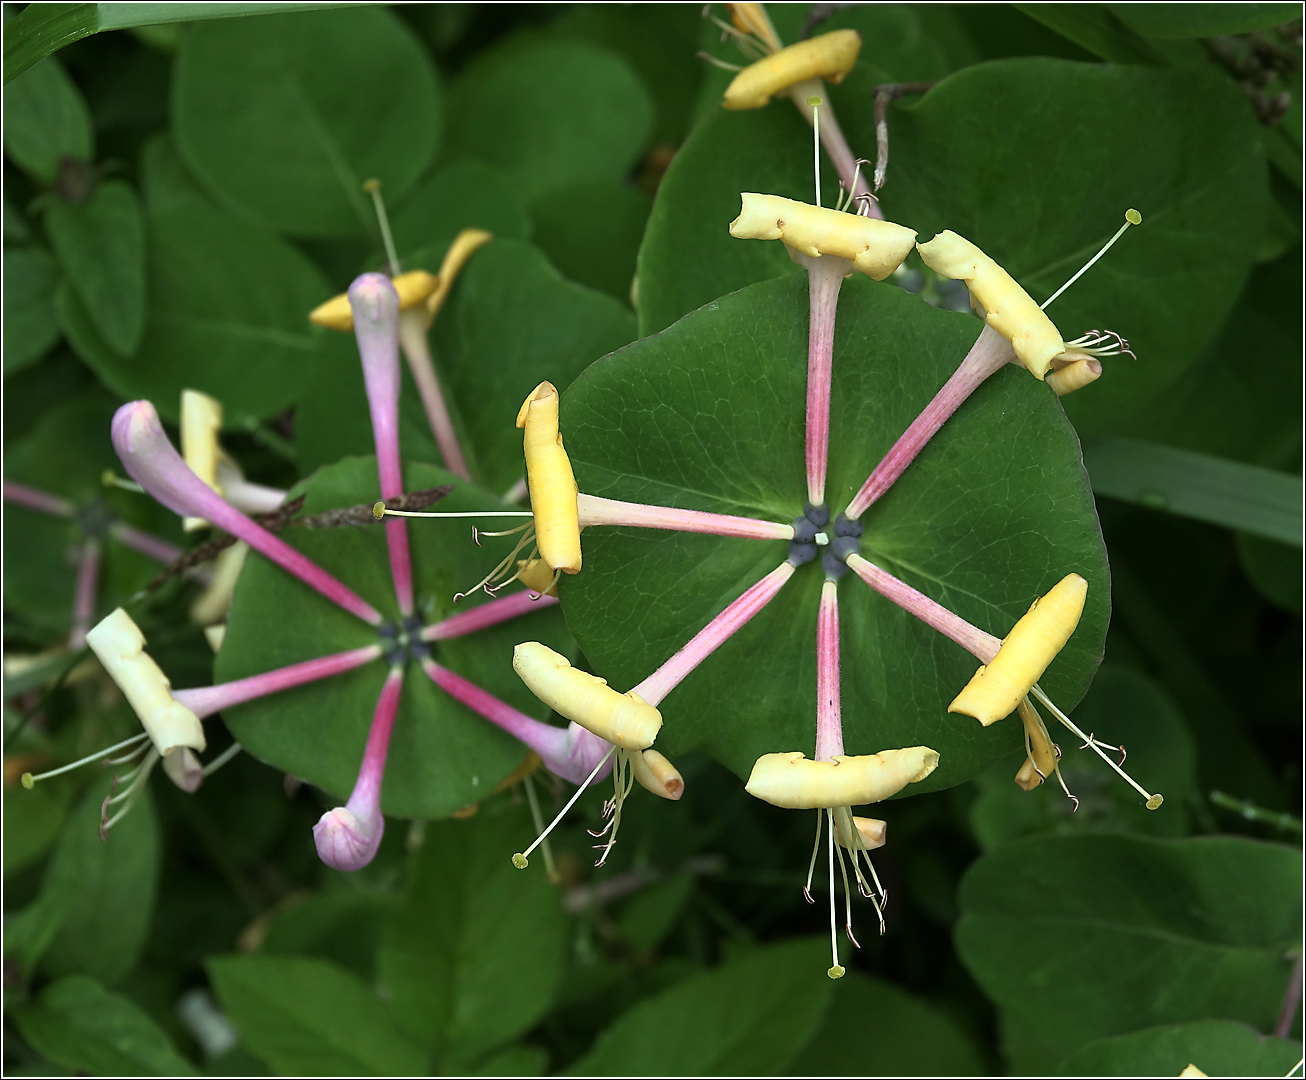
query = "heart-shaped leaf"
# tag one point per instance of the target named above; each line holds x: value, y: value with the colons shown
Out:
x: 709, y: 415
x: 442, y: 756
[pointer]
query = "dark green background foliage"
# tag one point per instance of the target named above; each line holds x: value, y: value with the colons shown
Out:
x: 179, y: 195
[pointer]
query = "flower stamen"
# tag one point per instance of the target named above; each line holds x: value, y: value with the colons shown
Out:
x: 1132, y: 217
x: 522, y: 859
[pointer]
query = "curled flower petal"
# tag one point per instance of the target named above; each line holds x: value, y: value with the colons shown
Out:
x: 656, y: 774
x: 796, y: 783
x: 829, y: 56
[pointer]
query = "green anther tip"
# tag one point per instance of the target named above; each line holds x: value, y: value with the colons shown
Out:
x: 378, y: 509
x: 813, y: 101
x: 836, y: 972
x: 372, y: 185
x: 1154, y: 802
x: 1133, y: 217
x: 520, y: 861
x: 28, y: 781
x: 108, y: 477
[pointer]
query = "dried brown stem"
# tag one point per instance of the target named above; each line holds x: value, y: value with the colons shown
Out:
x: 883, y: 95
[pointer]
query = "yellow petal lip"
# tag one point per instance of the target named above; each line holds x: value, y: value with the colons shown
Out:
x: 1026, y: 652
x: 625, y: 720
x: 873, y: 833
x: 796, y: 783
x: 1005, y: 305
x: 1081, y: 371
x: 656, y: 774
x: 551, y: 481
x: 465, y: 244
x: 412, y: 287
x: 875, y: 247
x: 829, y: 56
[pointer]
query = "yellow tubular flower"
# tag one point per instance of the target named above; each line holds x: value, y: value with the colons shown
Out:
x: 1004, y: 304
x: 873, y: 832
x: 551, y: 482
x: 120, y: 646
x: 537, y: 576
x: 1192, y: 1070
x: 656, y: 774
x: 212, y: 605
x: 464, y: 246
x: 830, y: 56
x: 413, y: 288
x: 201, y: 420
x: 1042, y: 757
x: 792, y: 781
x: 753, y: 19
x: 625, y: 720
x: 998, y: 688
x: 875, y: 247
x: 1074, y: 375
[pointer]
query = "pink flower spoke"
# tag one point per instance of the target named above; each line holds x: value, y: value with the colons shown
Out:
x: 715, y: 634
x: 571, y: 752
x: 971, y: 638
x: 825, y: 275
x: 989, y: 353
x: 487, y: 615
x: 599, y: 511
x: 152, y: 461
x: 35, y: 499
x: 147, y: 544
x: 348, y: 836
x: 375, y: 306
x: 829, y: 721
x: 206, y: 700
x: 412, y: 336
x: 88, y: 579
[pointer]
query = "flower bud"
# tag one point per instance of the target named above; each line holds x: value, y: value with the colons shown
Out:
x: 998, y: 687
x: 625, y: 720
x: 346, y: 843
x: 829, y: 56
x: 1005, y: 305
x: 656, y: 774
x: 551, y: 482
x: 792, y: 781
x: 120, y: 646
x: 875, y: 247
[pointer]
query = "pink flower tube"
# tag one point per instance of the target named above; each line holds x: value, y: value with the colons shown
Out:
x: 348, y: 836
x: 206, y: 700
x: 486, y: 615
x: 152, y: 461
x: 375, y: 306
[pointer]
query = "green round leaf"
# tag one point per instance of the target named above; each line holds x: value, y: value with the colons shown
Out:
x: 46, y: 120
x: 283, y: 117
x: 591, y: 232
x: 709, y: 415
x: 442, y: 756
x: 1217, y: 1047
x: 228, y: 315
x: 30, y: 327
x: 100, y: 245
x: 550, y: 113
x: 462, y: 195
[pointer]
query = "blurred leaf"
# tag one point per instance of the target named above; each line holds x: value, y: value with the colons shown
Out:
x: 1275, y: 569
x: 905, y: 1036
x: 1083, y: 937
x: 79, y: 1024
x: 442, y: 755
x: 749, y: 1017
x: 1121, y: 707
x: 112, y: 884
x: 1201, y: 20
x: 998, y: 31
x: 100, y: 245
x: 591, y: 232
x: 165, y: 182
x: 653, y: 911
x: 343, y: 927
x: 30, y: 327
x: 710, y: 415
x: 31, y: 819
x: 1094, y: 28
x: 228, y: 315
x: 514, y: 1061
x: 308, y: 1017
x: 1248, y: 498
x: 1217, y: 1047
x: 284, y: 117
x: 475, y: 953
x: 549, y: 113
x: 461, y: 195
x: 46, y: 118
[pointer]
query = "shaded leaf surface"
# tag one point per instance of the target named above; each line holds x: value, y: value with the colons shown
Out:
x: 30, y: 327
x: 709, y: 415
x: 1217, y: 1047
x: 46, y: 120
x: 591, y: 232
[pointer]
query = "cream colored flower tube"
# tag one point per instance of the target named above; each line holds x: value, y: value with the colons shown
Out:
x: 625, y: 720
x: 998, y: 687
x: 796, y: 783
x: 120, y: 646
x: 551, y: 481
